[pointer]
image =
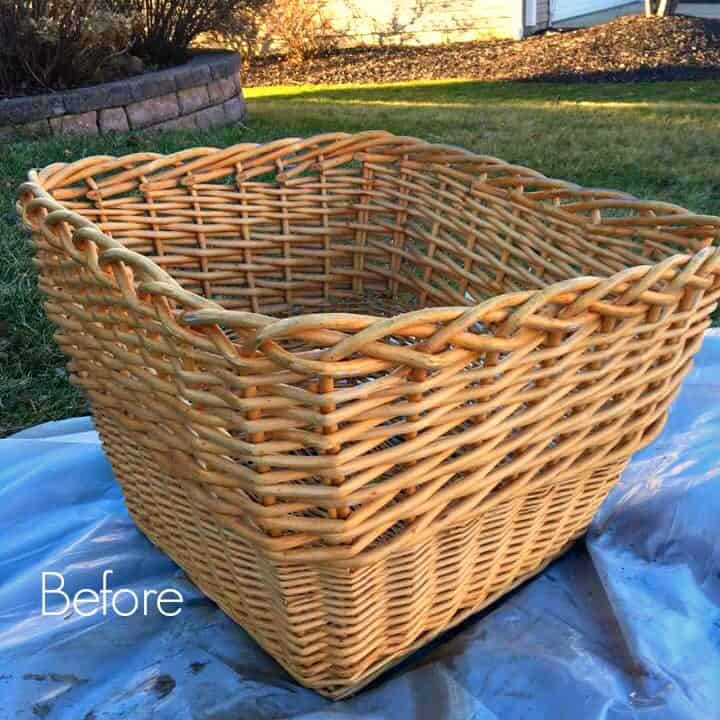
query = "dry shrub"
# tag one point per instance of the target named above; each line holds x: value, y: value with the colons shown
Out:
x: 170, y: 26
x: 54, y: 44
x: 244, y: 33
x: 60, y: 43
x: 299, y: 26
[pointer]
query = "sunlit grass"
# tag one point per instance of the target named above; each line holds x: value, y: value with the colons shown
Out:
x: 656, y: 140
x: 703, y: 91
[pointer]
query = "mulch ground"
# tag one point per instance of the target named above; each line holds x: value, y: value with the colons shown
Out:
x: 626, y: 49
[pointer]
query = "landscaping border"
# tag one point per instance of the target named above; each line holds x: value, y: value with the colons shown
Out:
x: 204, y: 92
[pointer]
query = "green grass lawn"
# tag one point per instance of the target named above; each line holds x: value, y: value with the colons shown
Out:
x: 656, y: 140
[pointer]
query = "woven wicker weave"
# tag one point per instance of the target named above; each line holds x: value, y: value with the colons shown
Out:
x: 359, y: 386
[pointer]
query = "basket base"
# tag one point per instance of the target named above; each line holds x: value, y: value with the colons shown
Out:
x: 335, y: 629
x: 422, y: 641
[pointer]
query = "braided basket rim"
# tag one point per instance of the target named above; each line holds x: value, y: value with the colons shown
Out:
x: 206, y: 311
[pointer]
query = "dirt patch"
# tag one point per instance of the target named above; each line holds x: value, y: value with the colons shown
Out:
x: 626, y: 49
x: 163, y: 685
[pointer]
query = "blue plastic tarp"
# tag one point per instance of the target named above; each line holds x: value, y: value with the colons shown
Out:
x: 625, y: 625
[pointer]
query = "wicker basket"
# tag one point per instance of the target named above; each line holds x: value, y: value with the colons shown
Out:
x: 360, y: 386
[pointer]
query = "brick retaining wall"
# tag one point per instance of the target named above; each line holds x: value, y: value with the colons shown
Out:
x: 202, y: 93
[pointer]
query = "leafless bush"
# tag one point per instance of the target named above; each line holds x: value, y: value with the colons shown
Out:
x: 60, y: 43
x: 299, y: 26
x: 169, y: 26
x: 244, y: 33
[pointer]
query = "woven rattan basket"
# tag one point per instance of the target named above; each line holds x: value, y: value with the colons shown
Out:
x: 360, y: 386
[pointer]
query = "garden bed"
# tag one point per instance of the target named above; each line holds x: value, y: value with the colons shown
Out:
x: 202, y: 93
x: 626, y: 49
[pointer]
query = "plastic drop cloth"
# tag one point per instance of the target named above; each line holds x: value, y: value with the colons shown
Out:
x: 626, y: 625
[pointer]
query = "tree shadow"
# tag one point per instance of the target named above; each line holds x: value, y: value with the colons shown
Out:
x: 659, y: 73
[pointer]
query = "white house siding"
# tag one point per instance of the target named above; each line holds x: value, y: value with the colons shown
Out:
x: 564, y: 9
x: 423, y: 22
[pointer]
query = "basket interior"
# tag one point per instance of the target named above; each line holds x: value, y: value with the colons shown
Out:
x: 377, y: 233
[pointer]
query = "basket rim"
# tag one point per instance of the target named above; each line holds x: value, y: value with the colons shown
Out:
x: 204, y: 311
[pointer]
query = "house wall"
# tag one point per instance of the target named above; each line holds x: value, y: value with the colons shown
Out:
x: 611, y: 10
x: 706, y: 10
x: 564, y: 9
x: 423, y: 22
x: 427, y: 22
